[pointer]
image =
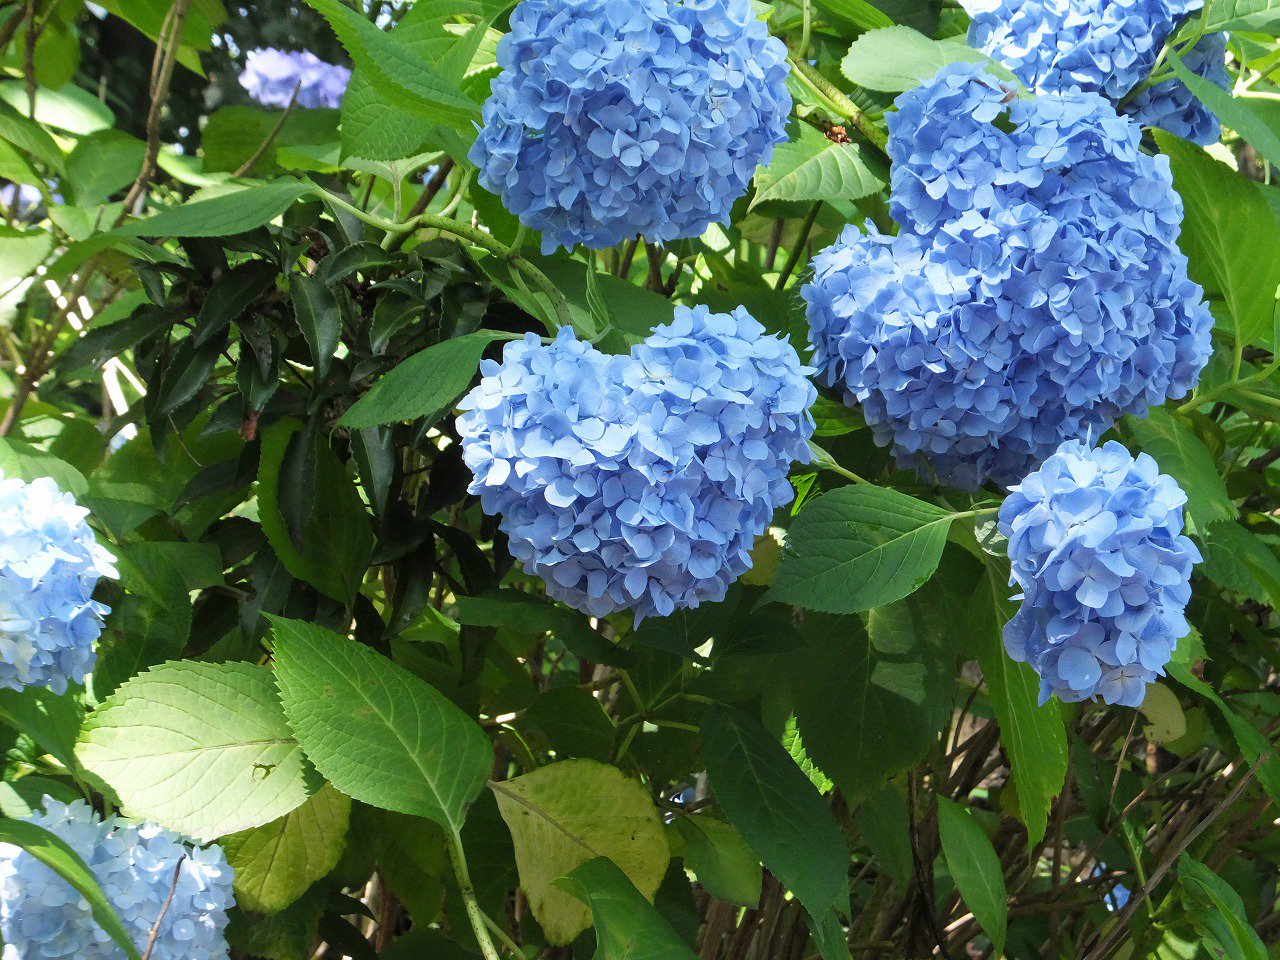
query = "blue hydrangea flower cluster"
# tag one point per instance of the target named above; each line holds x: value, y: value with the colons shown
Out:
x: 19, y: 199
x: 640, y: 481
x: 271, y: 76
x: 1035, y: 292
x: 50, y: 563
x: 1169, y: 105
x: 613, y: 118
x: 1096, y: 544
x: 1101, y: 46
x: 43, y: 918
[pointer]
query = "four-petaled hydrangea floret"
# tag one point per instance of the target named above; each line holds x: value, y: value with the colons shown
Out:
x: 1036, y: 291
x: 613, y: 118
x: 1107, y: 47
x: 272, y: 76
x: 42, y: 916
x: 50, y: 563
x: 1170, y: 106
x: 640, y: 482
x: 1096, y: 544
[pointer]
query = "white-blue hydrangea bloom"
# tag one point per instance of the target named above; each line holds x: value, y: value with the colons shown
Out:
x: 1101, y: 46
x: 641, y: 481
x: 43, y: 918
x: 1035, y: 293
x: 613, y: 118
x: 50, y: 563
x: 1169, y: 105
x: 271, y: 76
x: 1096, y: 544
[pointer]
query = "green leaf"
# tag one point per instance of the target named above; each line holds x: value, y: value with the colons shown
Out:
x: 1240, y: 560
x: 426, y: 384
x: 200, y: 748
x: 894, y: 59
x: 337, y: 538
x: 30, y: 138
x: 1235, y: 112
x: 1231, y: 240
x: 395, y: 69
x: 319, y: 319
x: 230, y: 296
x: 884, y: 823
x: 22, y: 460
x: 1254, y: 16
x: 975, y: 868
x: 56, y: 854
x: 232, y: 210
x: 778, y: 811
x: 68, y: 108
x: 1218, y: 912
x: 103, y: 163
x: 233, y: 135
x: 859, y: 547
x: 21, y: 251
x: 567, y: 813
x: 814, y: 168
x: 859, y: 12
x: 1034, y: 736
x: 52, y: 721
x: 276, y: 863
x: 627, y: 925
x: 375, y: 731
x: 524, y: 613
x: 1180, y: 454
x: 721, y: 860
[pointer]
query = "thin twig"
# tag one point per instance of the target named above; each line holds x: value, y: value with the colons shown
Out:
x: 155, y: 927
x: 275, y: 132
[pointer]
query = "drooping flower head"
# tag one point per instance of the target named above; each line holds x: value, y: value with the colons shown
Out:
x: 50, y: 563
x: 43, y: 918
x: 1035, y: 293
x: 641, y: 481
x: 1096, y: 544
x: 1102, y: 46
x: 271, y: 76
x: 613, y: 118
x: 1171, y: 106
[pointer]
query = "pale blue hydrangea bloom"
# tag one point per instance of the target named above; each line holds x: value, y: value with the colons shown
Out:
x: 613, y: 118
x: 1035, y: 293
x: 1102, y: 46
x: 1096, y: 544
x: 1171, y: 106
x: 43, y: 918
x: 19, y: 199
x: 50, y: 563
x: 270, y: 76
x: 642, y: 481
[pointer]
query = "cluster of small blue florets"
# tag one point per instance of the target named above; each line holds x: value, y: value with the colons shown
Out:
x: 613, y: 118
x: 50, y: 563
x: 42, y: 916
x: 1036, y: 290
x: 1095, y: 538
x: 640, y: 481
x: 272, y: 76
x: 1102, y: 46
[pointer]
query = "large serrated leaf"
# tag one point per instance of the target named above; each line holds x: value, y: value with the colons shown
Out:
x: 1180, y: 454
x: 375, y: 731
x: 567, y: 813
x: 200, y: 748
x: 814, y: 168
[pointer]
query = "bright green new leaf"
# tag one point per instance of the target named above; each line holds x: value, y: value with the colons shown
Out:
x: 58, y: 856
x: 103, y: 163
x: 68, y: 108
x: 567, y: 813
x: 277, y: 862
x: 374, y: 730
x: 627, y: 926
x: 860, y: 12
x: 200, y: 748
x: 894, y: 59
x: 21, y: 251
x: 975, y: 868
x: 1260, y: 16
x: 859, y: 547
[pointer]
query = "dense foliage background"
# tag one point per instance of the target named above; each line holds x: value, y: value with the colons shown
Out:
x: 236, y: 334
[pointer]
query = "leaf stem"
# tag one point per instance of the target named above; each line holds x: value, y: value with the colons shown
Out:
x: 477, y: 917
x: 838, y: 103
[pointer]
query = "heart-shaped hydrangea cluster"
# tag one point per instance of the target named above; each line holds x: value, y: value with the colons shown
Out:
x: 639, y: 481
x: 50, y: 562
x: 1096, y: 544
x: 1035, y: 292
x: 1103, y: 46
x: 42, y: 916
x: 613, y: 118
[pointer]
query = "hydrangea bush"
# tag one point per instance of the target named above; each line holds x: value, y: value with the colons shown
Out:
x: 676, y: 478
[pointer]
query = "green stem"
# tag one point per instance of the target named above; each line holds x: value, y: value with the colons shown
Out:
x: 838, y: 103
x: 502, y: 935
x: 796, y: 253
x: 474, y: 914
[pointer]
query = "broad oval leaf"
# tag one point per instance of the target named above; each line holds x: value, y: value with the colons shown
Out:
x: 200, y: 748
x: 375, y: 731
x: 975, y: 868
x: 894, y: 59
